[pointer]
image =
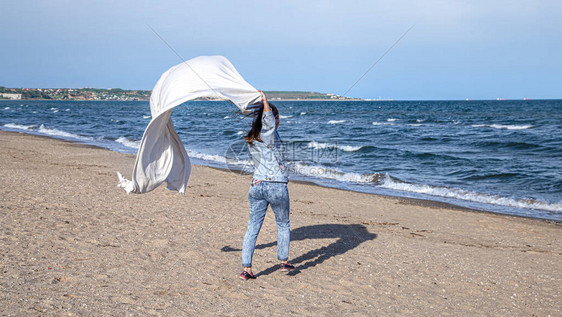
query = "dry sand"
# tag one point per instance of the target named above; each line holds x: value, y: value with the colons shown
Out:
x: 72, y: 243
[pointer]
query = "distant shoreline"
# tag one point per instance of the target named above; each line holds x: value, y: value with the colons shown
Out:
x: 117, y: 94
x: 332, y: 100
x: 271, y: 100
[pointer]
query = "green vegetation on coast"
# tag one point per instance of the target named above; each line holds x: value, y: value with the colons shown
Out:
x: 74, y: 94
x: 129, y: 95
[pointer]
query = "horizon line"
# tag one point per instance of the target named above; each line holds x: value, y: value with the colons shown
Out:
x: 312, y: 91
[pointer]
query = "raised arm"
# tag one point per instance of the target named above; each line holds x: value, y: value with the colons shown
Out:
x: 268, y: 122
x: 266, y: 107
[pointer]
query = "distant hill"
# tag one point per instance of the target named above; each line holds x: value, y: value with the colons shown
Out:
x: 77, y: 93
x: 300, y: 95
x: 128, y: 95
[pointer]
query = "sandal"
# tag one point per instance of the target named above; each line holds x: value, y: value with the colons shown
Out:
x: 246, y: 275
x: 287, y: 267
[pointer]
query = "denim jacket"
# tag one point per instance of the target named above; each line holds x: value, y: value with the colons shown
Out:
x: 268, y: 155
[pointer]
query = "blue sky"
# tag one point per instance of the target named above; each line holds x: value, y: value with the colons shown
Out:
x: 457, y: 49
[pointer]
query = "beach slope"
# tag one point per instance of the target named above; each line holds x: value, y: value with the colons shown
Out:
x: 72, y: 243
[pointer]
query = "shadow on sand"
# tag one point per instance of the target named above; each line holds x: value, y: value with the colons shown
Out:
x: 348, y: 237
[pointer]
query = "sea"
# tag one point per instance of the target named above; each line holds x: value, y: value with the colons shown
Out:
x: 500, y: 156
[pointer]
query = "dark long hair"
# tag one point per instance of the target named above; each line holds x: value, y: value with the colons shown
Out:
x: 257, y: 115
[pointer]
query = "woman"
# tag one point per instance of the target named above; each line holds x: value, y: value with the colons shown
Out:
x: 269, y: 185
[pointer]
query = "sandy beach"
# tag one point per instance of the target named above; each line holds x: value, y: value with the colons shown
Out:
x: 72, y: 243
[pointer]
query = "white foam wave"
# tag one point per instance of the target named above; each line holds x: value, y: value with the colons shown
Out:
x: 18, y: 126
x: 134, y: 144
x: 218, y: 158
x: 414, y: 124
x: 207, y: 157
x: 330, y: 173
x: 226, y: 117
x: 502, y: 126
x: 284, y: 117
x: 346, y: 148
x: 302, y: 113
x: 382, y: 123
x: 240, y: 132
x: 420, y: 120
x: 55, y: 132
x: 336, y: 121
x: 391, y: 120
x: 145, y: 117
x: 6, y: 108
x: 469, y: 195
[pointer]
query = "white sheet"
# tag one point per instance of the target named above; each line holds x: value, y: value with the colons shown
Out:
x: 161, y: 156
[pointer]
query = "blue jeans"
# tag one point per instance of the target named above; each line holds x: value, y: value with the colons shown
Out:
x: 260, y: 196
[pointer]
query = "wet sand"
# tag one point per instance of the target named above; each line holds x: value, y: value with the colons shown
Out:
x: 72, y: 243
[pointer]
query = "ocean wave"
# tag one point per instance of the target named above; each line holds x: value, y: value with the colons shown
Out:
x: 133, y: 144
x: 218, y: 158
x: 206, y: 157
x: 285, y: 117
x: 346, y: 148
x: 19, y: 126
x: 335, y: 121
x: 391, y: 120
x: 436, y: 156
x: 6, y: 108
x: 305, y: 169
x: 509, y: 144
x: 232, y: 162
x: 502, y: 126
x: 382, y: 123
x: 440, y: 191
x: 477, y: 177
x: 59, y: 133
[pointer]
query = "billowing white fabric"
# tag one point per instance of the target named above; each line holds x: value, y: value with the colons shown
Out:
x: 161, y: 155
